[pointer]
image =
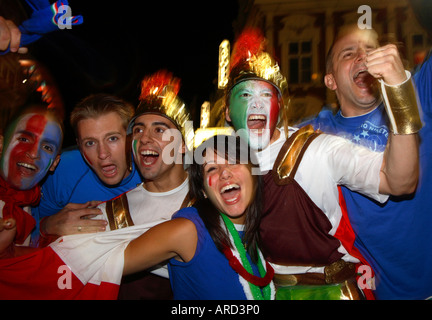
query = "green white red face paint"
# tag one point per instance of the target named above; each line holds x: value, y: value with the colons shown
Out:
x: 33, y: 142
x: 254, y: 110
x: 135, y: 148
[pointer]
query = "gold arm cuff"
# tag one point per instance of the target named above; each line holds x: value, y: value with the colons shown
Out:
x: 402, y: 107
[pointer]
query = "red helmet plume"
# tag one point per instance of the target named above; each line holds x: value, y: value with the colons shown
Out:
x: 155, y: 84
x: 250, y: 43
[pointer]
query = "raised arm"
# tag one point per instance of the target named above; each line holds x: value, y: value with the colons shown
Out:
x: 400, y: 169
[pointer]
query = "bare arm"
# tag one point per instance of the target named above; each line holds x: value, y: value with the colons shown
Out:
x: 400, y: 169
x: 175, y: 238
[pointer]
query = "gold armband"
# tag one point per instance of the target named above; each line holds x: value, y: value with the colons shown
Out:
x: 118, y: 213
x: 402, y: 107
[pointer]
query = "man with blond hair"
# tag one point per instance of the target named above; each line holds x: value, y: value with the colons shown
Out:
x: 96, y: 171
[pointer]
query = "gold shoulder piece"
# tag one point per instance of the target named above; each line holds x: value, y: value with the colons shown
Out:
x: 118, y: 213
x: 292, y: 151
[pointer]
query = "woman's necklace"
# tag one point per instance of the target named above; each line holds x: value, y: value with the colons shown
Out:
x: 244, y: 268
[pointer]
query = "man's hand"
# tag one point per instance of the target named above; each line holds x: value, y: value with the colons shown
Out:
x: 74, y: 218
x: 10, y: 35
x: 385, y: 63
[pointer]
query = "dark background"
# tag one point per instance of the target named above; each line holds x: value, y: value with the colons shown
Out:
x: 122, y: 41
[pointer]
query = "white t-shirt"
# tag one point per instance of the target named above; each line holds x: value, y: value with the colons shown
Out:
x: 329, y: 161
x: 149, y: 207
x: 146, y: 207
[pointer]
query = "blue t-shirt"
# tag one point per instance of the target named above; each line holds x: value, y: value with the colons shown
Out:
x: 369, y: 130
x: 208, y: 276
x: 74, y: 181
x: 394, y: 237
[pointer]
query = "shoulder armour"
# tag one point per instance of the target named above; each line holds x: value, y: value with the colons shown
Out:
x: 291, y: 153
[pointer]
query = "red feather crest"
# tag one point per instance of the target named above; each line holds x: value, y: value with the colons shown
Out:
x: 155, y: 84
x: 250, y: 43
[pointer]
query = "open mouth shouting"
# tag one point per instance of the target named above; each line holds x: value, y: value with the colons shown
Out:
x: 363, y: 79
x: 149, y: 157
x: 230, y: 193
x: 256, y: 123
x: 109, y: 170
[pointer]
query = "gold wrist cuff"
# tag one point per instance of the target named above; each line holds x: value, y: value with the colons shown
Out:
x: 402, y: 107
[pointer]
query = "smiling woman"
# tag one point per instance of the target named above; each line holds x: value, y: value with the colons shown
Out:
x: 226, y: 179
x: 219, y: 234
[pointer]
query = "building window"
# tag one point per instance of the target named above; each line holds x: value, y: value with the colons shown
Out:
x: 300, y: 62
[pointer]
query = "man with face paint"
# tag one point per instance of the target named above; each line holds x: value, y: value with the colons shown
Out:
x: 260, y: 118
x: 303, y: 231
x: 362, y: 119
x: 97, y: 170
x: 159, y: 131
x: 30, y: 149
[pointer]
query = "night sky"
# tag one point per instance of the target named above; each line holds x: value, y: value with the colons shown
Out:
x: 118, y: 44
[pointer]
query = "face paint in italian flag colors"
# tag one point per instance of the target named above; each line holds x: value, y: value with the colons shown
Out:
x: 135, y: 149
x: 31, y: 145
x: 254, y: 110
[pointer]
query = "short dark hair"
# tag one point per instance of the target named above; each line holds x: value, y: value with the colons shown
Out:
x: 343, y: 31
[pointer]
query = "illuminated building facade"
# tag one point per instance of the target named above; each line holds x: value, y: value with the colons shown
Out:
x: 301, y: 32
